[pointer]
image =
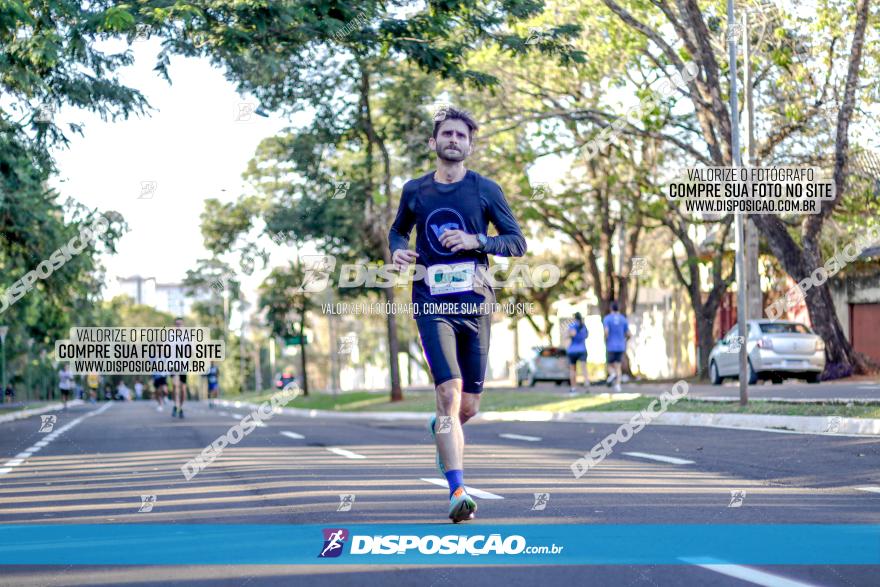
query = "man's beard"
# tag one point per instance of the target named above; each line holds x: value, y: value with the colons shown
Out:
x: 452, y: 156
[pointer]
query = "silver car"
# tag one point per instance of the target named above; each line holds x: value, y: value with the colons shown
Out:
x: 545, y: 364
x: 776, y: 349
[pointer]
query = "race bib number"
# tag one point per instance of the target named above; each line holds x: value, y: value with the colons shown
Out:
x: 447, y: 279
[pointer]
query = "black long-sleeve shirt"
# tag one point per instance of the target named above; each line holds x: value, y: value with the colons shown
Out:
x: 468, y: 205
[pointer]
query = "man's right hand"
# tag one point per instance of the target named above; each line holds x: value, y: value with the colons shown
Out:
x: 403, y: 257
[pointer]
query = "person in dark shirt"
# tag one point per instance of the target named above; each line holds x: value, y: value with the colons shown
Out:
x: 451, y: 209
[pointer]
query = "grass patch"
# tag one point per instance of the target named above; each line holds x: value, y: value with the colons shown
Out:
x: 754, y: 407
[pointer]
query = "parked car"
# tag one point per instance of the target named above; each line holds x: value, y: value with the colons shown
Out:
x: 776, y: 349
x: 544, y: 364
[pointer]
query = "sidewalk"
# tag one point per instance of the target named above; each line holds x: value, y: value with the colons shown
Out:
x: 822, y: 425
x: 53, y: 407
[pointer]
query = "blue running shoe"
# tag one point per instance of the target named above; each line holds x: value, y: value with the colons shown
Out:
x: 461, y: 506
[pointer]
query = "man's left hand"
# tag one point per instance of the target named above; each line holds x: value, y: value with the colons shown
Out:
x: 459, y: 240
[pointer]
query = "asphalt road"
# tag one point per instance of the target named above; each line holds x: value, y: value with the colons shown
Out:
x: 97, y: 471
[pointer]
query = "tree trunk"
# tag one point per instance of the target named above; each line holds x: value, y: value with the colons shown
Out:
x: 302, y: 351
x: 705, y: 317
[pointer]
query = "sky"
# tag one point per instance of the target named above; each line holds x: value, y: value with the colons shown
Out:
x: 158, y: 170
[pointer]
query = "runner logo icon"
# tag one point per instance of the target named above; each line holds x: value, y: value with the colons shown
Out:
x: 334, y: 540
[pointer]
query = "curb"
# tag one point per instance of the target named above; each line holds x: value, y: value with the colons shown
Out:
x: 34, y: 411
x: 820, y: 425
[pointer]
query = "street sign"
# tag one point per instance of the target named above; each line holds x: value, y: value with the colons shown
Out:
x: 3, y: 331
x: 296, y: 340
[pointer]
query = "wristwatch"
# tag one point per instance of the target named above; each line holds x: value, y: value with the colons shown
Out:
x: 484, y: 240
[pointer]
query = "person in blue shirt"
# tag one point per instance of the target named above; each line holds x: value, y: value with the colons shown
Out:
x: 451, y: 209
x: 616, y: 334
x: 213, y: 376
x: 577, y: 351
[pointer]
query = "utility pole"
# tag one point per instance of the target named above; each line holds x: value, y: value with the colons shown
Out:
x: 738, y: 218
x: 753, y: 277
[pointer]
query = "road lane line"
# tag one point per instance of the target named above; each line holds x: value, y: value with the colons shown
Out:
x: 661, y: 458
x: 293, y: 435
x: 239, y: 416
x: 521, y: 437
x: 471, y: 490
x: 21, y: 457
x: 753, y: 576
x: 872, y: 489
x: 345, y: 453
x: 223, y: 413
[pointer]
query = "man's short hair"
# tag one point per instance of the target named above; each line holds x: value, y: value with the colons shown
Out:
x: 455, y: 114
x: 614, y: 306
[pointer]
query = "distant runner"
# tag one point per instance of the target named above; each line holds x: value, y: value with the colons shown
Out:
x: 178, y: 381
x: 65, y: 383
x: 213, y: 376
x: 616, y: 334
x: 451, y: 209
x: 160, y: 389
x: 93, y: 381
x: 577, y: 351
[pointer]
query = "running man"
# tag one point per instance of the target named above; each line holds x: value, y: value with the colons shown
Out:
x: 65, y: 383
x: 93, y: 381
x: 160, y: 388
x: 577, y: 351
x: 451, y: 209
x: 178, y: 380
x: 616, y: 334
x: 213, y: 376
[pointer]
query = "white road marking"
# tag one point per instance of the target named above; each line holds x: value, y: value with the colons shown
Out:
x: 293, y: 435
x: 471, y: 490
x: 223, y: 413
x: 345, y: 453
x: 21, y: 457
x: 872, y: 489
x: 239, y: 416
x: 260, y: 424
x: 661, y: 458
x: 753, y: 576
x: 521, y: 437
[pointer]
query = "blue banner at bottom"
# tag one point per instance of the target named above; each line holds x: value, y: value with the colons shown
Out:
x: 630, y: 544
